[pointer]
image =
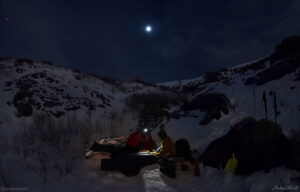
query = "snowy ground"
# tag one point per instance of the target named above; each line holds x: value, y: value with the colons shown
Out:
x: 88, y: 177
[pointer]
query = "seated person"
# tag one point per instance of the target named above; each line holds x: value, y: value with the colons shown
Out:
x: 167, y: 147
x: 140, y: 140
x: 165, y: 152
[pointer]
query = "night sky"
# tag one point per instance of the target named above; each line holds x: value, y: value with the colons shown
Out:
x: 108, y: 37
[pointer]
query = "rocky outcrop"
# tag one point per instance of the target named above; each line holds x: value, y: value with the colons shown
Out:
x: 285, y: 60
x: 213, y: 104
x: 44, y: 91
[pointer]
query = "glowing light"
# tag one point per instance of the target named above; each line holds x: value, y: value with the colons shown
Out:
x: 145, y: 130
x: 148, y: 28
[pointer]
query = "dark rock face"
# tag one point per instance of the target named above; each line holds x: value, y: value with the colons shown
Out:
x: 256, y: 66
x: 23, y: 101
x: 212, y: 76
x: 183, y: 148
x: 214, y: 104
x: 258, y: 145
x: 290, y: 47
x: 297, y: 76
x: 285, y: 60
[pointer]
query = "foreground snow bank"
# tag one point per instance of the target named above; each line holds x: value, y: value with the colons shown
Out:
x: 90, y: 178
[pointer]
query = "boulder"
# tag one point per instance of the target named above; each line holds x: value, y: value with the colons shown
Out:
x: 213, y: 104
x: 258, y: 145
x: 285, y: 60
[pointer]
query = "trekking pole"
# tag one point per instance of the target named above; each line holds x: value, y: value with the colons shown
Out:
x: 275, y: 107
x: 265, y: 103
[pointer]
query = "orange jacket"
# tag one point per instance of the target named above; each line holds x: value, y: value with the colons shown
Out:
x: 136, y: 139
x: 149, y: 145
x: 167, y: 148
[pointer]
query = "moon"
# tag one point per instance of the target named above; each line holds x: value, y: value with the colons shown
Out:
x: 148, y: 28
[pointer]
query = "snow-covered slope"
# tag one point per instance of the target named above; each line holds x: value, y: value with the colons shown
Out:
x: 29, y: 88
x: 199, y: 110
x: 277, y: 75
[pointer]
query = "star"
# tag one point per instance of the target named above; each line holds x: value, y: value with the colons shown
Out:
x: 6, y: 18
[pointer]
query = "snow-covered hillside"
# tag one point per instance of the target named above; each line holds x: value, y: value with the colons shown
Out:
x: 199, y: 110
x: 277, y: 75
x: 29, y: 88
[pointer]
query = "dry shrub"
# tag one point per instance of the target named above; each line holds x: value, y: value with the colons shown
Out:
x: 152, y: 107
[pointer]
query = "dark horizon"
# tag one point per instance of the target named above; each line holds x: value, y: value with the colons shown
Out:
x: 109, y: 39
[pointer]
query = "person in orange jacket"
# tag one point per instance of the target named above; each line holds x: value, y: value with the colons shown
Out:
x: 167, y: 147
x: 140, y: 140
x: 165, y: 153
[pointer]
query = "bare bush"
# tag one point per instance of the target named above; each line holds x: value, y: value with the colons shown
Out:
x: 3, y: 174
x: 112, y: 117
x: 87, y: 132
x: 50, y: 141
x: 42, y: 159
x: 58, y: 143
x: 153, y: 107
x: 3, y: 150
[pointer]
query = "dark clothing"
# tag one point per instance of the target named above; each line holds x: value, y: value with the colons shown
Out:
x: 114, y: 150
x: 128, y: 164
x: 168, y: 166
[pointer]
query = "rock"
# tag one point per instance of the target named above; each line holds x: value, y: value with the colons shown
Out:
x: 297, y: 76
x: 256, y: 66
x: 288, y: 47
x: 214, y: 104
x: 258, y: 145
x: 212, y: 76
x: 285, y: 60
x: 183, y: 148
x: 23, y: 102
x: 57, y: 114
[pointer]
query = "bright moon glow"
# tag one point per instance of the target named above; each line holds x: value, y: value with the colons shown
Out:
x: 148, y: 28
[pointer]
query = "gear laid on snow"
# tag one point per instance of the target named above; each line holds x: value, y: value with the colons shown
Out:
x: 183, y: 149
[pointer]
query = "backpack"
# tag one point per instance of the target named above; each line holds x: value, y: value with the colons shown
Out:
x: 183, y: 148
